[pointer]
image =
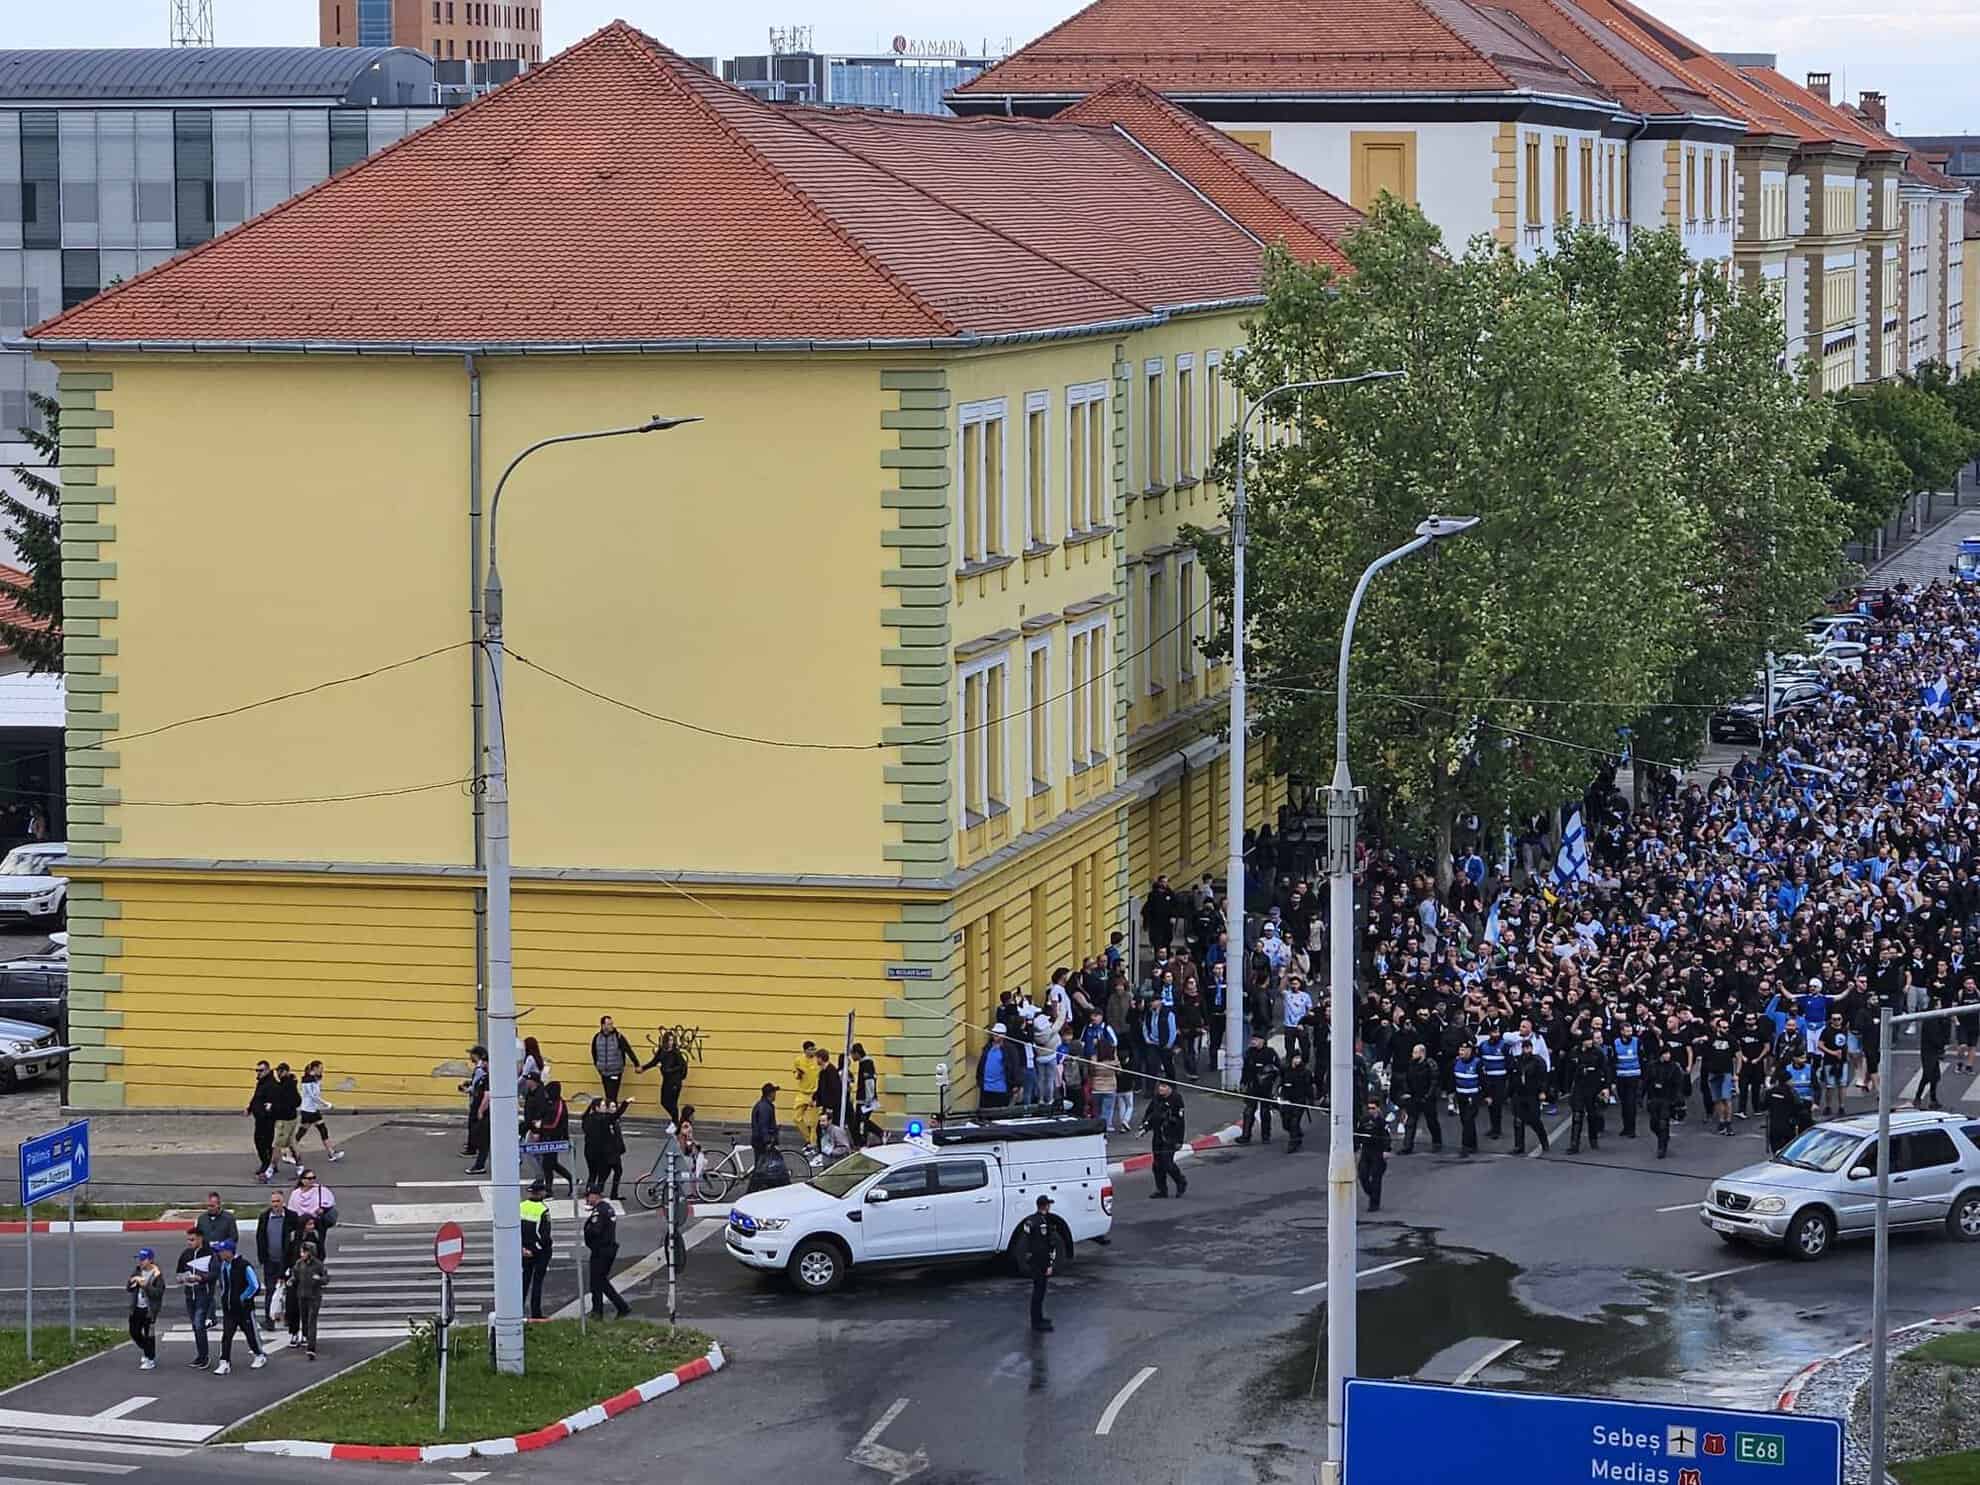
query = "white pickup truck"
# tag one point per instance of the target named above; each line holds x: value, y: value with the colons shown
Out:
x: 956, y: 1193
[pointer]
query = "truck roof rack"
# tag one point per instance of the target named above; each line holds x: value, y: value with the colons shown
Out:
x: 1012, y: 1125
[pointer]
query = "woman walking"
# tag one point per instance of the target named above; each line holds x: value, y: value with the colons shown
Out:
x: 604, y: 1145
x: 673, y: 1066
x: 533, y: 1065
x: 552, y: 1126
x: 865, y: 1094
x: 313, y: 1106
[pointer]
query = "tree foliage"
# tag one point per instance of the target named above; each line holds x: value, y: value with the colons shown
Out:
x: 1651, y: 513
x: 35, y: 524
x: 1920, y: 428
x: 1864, y: 472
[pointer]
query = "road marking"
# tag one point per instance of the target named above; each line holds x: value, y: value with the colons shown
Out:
x: 128, y: 1405
x: 639, y: 1272
x: 1553, y: 1138
x: 428, y: 1213
x: 873, y: 1454
x: 1465, y: 1377
x: 1106, y: 1423
x: 67, y: 1466
x: 1686, y: 1206
x: 1723, y: 1273
x: 1361, y: 1273
x: 136, y: 1428
x: 17, y: 1442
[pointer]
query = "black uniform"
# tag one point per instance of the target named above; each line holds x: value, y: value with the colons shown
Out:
x: 1035, y: 1236
x: 1663, y: 1091
x: 1754, y: 1044
x: 1298, y: 1095
x: 1372, y: 1157
x: 1527, y: 1082
x: 1783, y: 1115
x: 1164, y: 1122
x: 1588, y: 1080
x: 1420, y: 1098
x: 601, y: 1242
x: 1259, y: 1077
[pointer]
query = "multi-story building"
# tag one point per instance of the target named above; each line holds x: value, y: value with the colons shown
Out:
x: 910, y: 617
x: 896, y: 82
x: 1932, y: 302
x: 121, y: 158
x: 450, y: 30
x: 1509, y: 120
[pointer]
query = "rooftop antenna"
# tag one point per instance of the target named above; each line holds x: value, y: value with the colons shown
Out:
x: 192, y: 22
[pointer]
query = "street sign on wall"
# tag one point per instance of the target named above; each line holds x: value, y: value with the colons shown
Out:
x: 54, y: 1162
x: 1526, y: 1438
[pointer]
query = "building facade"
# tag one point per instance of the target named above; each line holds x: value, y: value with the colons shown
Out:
x: 896, y: 83
x: 905, y: 637
x: 446, y: 30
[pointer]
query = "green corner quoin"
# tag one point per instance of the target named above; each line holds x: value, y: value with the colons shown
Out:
x: 89, y: 659
x: 918, y: 676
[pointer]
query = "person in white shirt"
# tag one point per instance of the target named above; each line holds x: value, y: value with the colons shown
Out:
x: 312, y: 1198
x: 314, y: 1104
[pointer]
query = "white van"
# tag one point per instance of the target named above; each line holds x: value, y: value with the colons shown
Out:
x: 956, y: 1193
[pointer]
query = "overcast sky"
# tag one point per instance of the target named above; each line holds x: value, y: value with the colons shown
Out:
x: 1921, y: 52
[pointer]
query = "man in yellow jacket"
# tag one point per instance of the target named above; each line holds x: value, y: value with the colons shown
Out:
x: 804, y: 1096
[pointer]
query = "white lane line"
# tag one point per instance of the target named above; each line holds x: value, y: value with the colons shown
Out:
x: 18, y: 1442
x: 130, y: 1428
x: 1464, y: 1378
x: 1361, y: 1273
x: 645, y: 1268
x: 1723, y: 1273
x: 1106, y: 1423
x: 128, y: 1405
x: 1553, y: 1138
x: 1683, y: 1206
x: 71, y: 1466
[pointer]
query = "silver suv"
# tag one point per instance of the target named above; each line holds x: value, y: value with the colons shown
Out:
x: 1823, y: 1186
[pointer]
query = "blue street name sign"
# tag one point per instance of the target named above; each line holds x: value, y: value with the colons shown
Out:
x: 546, y: 1147
x: 55, y: 1162
x: 1536, y: 1439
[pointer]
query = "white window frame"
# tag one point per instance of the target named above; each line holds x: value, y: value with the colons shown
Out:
x: 1098, y: 741
x: 1083, y: 394
x: 1038, y: 402
x: 1152, y: 573
x: 1213, y: 434
x: 1035, y: 775
x: 999, y: 660
x: 1186, y: 622
x: 1185, y: 361
x: 988, y: 410
x: 1153, y: 366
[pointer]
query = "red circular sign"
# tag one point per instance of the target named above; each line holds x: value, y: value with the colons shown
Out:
x: 449, y: 1247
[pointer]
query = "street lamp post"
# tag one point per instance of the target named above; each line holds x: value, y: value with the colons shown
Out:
x: 1234, y: 985
x: 505, y: 1153
x: 1343, y: 810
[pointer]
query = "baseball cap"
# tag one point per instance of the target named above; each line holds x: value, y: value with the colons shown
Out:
x: 1044, y: 1202
x: 537, y: 1187
x: 225, y: 1245
x: 144, y: 1253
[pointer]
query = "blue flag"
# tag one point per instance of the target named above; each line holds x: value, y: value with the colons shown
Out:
x: 1938, y: 695
x: 1571, y: 862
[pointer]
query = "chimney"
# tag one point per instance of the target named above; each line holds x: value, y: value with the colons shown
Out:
x: 1818, y: 84
x: 1872, y: 105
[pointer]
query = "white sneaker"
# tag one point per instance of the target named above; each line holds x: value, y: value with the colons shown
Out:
x: 335, y: 1156
x: 290, y: 1160
x: 221, y: 1368
x: 147, y: 1365
x: 259, y: 1362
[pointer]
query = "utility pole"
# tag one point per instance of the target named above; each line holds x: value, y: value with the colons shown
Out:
x: 192, y: 22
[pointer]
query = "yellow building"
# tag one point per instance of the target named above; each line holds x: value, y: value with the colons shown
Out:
x: 878, y: 690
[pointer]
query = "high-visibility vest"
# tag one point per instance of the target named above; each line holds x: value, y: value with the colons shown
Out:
x: 1494, y: 1056
x: 1629, y: 1058
x: 1464, y: 1072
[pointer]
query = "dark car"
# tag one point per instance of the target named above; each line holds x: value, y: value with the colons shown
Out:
x: 1745, y: 719
x: 36, y: 989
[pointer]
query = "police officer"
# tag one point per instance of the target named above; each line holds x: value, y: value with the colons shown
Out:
x: 1527, y: 1084
x: 1627, y: 1050
x: 601, y: 1243
x: 1467, y: 1078
x: 1495, y: 1055
x: 536, y: 1243
x: 1259, y: 1077
x: 1372, y: 1152
x: 1663, y: 1092
x: 1036, y: 1241
x: 1164, y: 1123
x: 1420, y: 1098
x: 1588, y: 1086
x: 1296, y: 1100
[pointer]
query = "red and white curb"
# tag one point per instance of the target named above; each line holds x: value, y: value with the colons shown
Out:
x: 15, y: 1228
x: 1798, y: 1383
x: 521, y: 1443
x: 1223, y: 1136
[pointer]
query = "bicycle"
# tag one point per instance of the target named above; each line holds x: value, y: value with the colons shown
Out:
x: 713, y: 1183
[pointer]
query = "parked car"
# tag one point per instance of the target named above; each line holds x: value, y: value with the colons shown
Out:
x: 1853, y: 628
x: 1745, y: 719
x: 28, y: 1051
x: 956, y: 1194
x: 1822, y: 1187
x: 36, y: 989
x: 1834, y: 654
x: 30, y: 884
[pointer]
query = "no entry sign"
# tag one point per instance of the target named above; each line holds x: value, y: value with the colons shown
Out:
x: 449, y: 1247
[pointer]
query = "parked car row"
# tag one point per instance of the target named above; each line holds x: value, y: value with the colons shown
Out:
x: 1832, y: 643
x: 34, y: 990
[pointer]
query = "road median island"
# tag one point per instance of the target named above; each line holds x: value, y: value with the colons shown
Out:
x: 385, y: 1408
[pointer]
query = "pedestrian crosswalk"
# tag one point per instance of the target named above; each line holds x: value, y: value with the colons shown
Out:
x: 28, y: 1458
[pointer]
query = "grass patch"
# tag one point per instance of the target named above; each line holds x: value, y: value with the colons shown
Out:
x: 52, y: 1349
x: 1941, y: 1469
x: 390, y: 1399
x: 57, y: 1211
x: 1962, y: 1349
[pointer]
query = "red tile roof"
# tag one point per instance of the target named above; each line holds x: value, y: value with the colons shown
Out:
x: 1918, y: 166
x: 1269, y: 200
x: 1290, y: 46
x: 620, y: 194
x: 1820, y: 120
x: 11, y: 611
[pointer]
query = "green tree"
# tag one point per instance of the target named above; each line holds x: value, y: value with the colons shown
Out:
x: 1919, y: 426
x: 35, y: 524
x: 1517, y: 409
x: 1864, y: 472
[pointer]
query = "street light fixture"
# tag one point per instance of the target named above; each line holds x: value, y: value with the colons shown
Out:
x: 1343, y: 811
x: 505, y: 1153
x: 1234, y: 986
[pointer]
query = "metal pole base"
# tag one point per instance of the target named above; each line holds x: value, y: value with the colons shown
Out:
x: 509, y: 1346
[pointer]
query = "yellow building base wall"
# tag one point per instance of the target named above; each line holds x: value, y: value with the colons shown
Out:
x: 182, y: 980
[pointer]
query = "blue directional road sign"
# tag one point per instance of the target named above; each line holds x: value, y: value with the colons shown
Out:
x: 55, y: 1162
x: 1526, y: 1438
x: 546, y: 1147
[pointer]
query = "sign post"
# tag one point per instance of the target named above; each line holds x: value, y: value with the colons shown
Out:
x: 449, y: 1248
x: 51, y: 1165
x: 1578, y: 1439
